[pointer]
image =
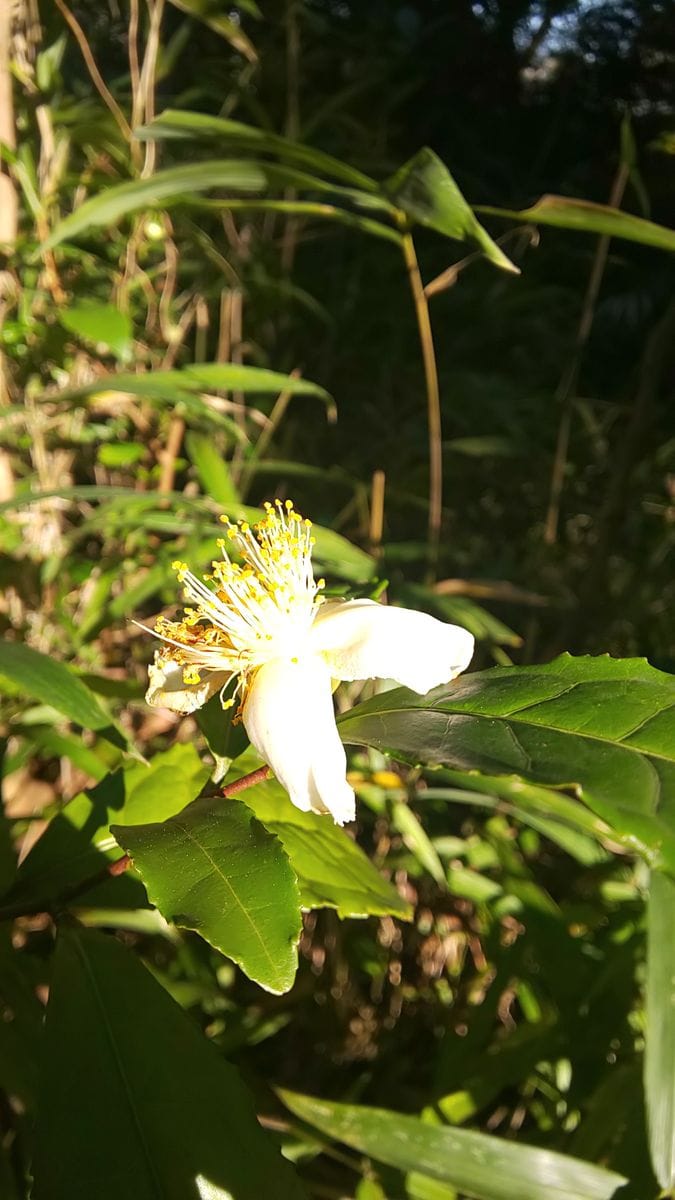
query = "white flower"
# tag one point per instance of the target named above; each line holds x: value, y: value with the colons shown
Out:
x: 266, y: 623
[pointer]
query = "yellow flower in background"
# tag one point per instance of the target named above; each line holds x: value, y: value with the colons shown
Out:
x: 265, y: 622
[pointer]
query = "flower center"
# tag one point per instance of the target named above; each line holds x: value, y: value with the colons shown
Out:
x: 245, y: 613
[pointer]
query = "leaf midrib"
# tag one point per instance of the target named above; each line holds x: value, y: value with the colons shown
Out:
x: 510, y: 717
x: 91, y: 977
x: 235, y: 897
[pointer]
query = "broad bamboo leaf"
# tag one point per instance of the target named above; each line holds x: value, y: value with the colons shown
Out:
x: 425, y: 190
x: 215, y: 869
x: 333, y: 872
x: 478, y: 1165
x: 659, y: 1067
x: 332, y: 551
x: 174, y: 1121
x: 600, y: 727
x: 184, y: 383
x: 176, y: 123
x: 212, y: 468
x: 52, y: 682
x: 176, y: 185
x: 586, y: 217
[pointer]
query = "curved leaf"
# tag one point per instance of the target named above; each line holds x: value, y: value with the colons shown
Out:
x: 176, y: 184
x: 333, y: 872
x: 478, y: 1165
x: 173, y: 1122
x: 587, y: 217
x: 602, y: 727
x: 659, y: 1065
x: 52, y: 682
x: 426, y: 191
x: 177, y: 123
x: 215, y: 869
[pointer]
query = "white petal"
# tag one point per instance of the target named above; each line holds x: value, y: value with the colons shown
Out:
x: 167, y: 689
x: 289, y: 718
x: 360, y: 639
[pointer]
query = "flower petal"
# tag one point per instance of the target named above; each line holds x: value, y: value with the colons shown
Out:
x: 360, y: 639
x: 167, y: 689
x: 289, y: 718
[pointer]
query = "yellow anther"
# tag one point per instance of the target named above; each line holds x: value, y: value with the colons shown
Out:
x: 190, y: 676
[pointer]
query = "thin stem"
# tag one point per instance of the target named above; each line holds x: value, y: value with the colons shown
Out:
x: 433, y: 400
x: 567, y: 386
x: 246, y: 781
x: 54, y: 904
x: 97, y: 79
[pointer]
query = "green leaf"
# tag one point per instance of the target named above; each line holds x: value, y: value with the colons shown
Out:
x: 407, y: 824
x: 212, y: 468
x: 176, y: 185
x: 333, y: 872
x: 600, y: 727
x: 425, y: 190
x: 335, y: 554
x: 210, y: 12
x: 587, y: 217
x: 183, y: 384
x: 77, y: 842
x: 478, y: 1165
x: 101, y: 324
x: 659, y: 1064
x: 215, y: 869
x: 135, y: 1101
x: 121, y: 454
x: 176, y: 123
x: 52, y: 682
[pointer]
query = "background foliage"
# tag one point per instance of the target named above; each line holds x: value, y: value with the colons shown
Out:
x: 221, y: 232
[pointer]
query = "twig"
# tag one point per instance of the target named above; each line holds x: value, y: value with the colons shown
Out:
x: 54, y: 904
x: 96, y: 77
x: 433, y: 400
x: 246, y: 781
x: 567, y: 386
x: 266, y: 434
x: 376, y: 521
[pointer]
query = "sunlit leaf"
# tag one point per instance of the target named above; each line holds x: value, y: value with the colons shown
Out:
x: 46, y: 679
x: 215, y: 869
x: 333, y: 872
x: 478, y: 1165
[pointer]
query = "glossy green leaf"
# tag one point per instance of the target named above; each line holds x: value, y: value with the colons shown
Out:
x: 333, y: 872
x: 215, y: 869
x: 425, y: 190
x: 77, y: 842
x: 478, y: 1165
x: 176, y: 123
x: 587, y: 217
x: 212, y: 468
x: 176, y: 185
x: 102, y: 324
x: 173, y: 1121
x: 46, y: 679
x: 600, y: 727
x: 659, y: 1067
